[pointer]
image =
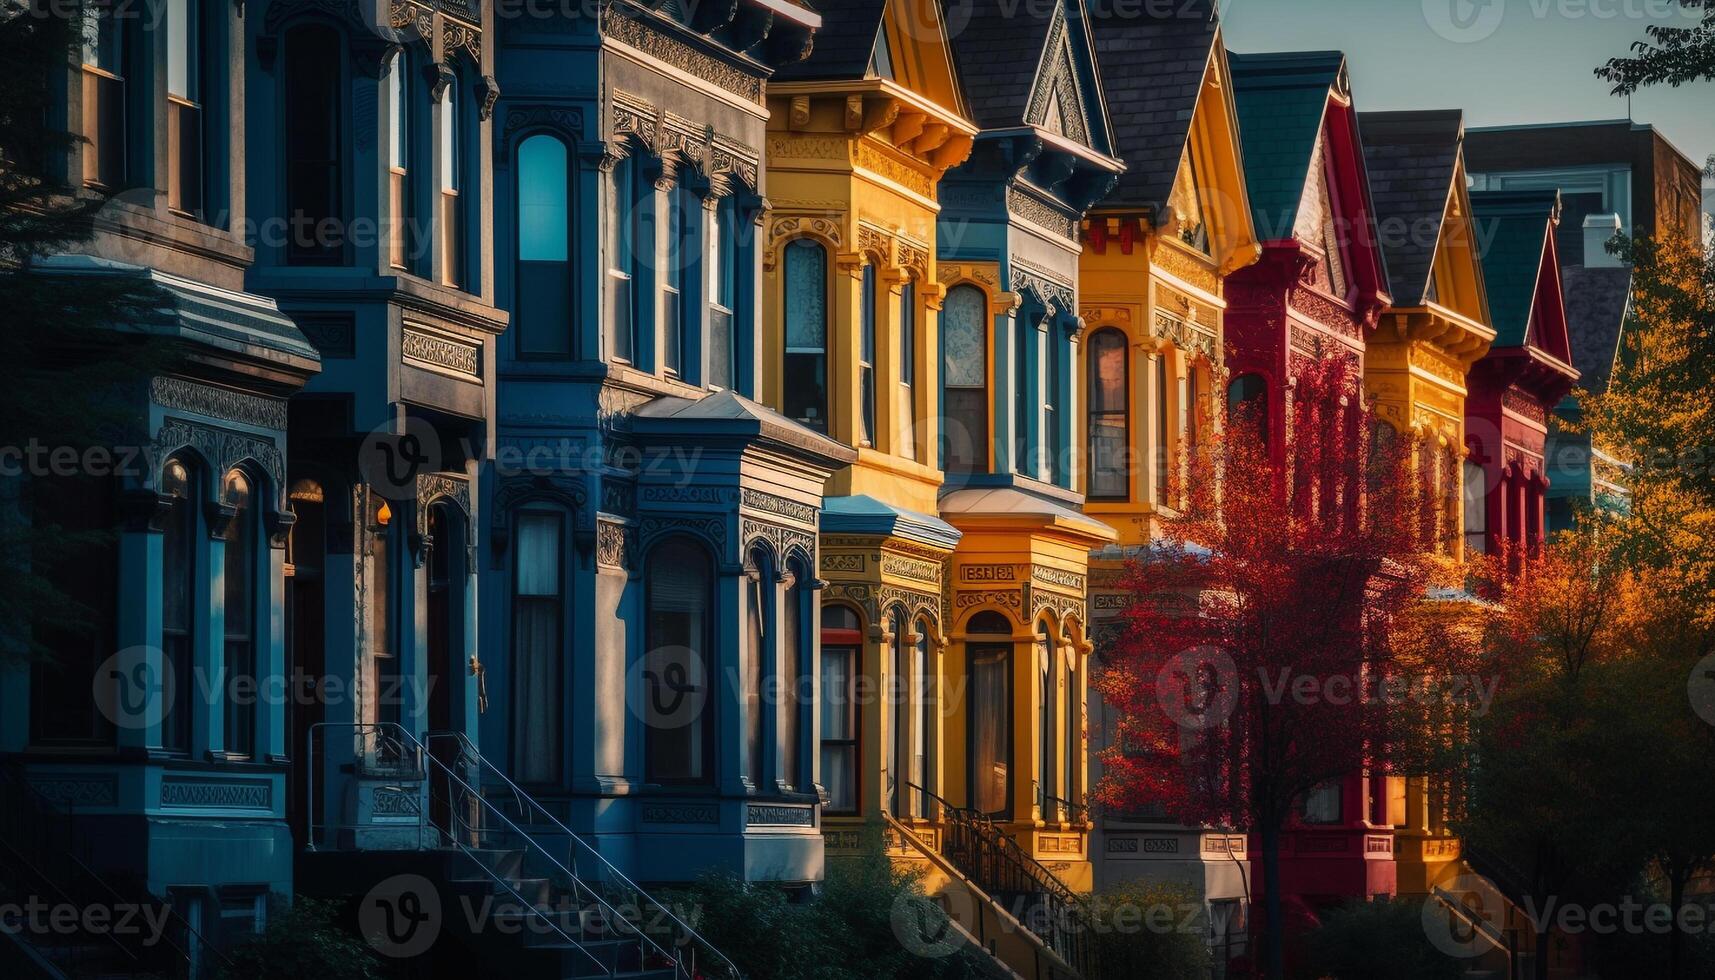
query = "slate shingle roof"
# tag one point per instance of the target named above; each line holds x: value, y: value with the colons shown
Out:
x: 1596, y: 302
x: 1512, y: 227
x: 843, y: 47
x: 999, y: 51
x: 1152, y: 61
x: 1411, y: 158
x: 1281, y: 99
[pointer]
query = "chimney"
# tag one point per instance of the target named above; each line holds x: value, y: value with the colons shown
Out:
x: 1598, y: 229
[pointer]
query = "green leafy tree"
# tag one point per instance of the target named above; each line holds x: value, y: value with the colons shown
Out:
x: 1668, y: 55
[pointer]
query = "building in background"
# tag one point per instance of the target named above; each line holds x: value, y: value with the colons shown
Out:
x: 1157, y: 253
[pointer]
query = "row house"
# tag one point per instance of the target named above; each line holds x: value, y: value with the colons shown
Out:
x: 141, y: 747
x: 1157, y: 254
x: 1297, y: 331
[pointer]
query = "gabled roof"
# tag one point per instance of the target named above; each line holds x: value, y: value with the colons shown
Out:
x: 1282, y: 99
x: 1596, y: 304
x: 1412, y: 158
x: 1009, y: 54
x: 1152, y: 59
x: 845, y: 43
x: 1518, y: 227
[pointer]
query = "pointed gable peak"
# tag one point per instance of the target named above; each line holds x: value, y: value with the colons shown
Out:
x: 905, y: 42
x: 1031, y: 65
x: 1521, y: 268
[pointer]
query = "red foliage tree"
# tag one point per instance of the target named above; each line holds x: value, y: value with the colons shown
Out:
x: 1261, y: 651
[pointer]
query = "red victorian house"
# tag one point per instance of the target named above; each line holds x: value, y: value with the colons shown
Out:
x: 1309, y: 305
x: 1525, y: 374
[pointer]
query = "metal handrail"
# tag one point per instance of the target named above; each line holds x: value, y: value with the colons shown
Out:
x: 64, y: 818
x: 606, y: 867
x: 1065, y: 907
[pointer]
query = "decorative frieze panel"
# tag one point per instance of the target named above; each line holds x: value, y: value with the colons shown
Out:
x: 1057, y: 578
x: 1011, y: 599
x: 1041, y: 213
x: 77, y: 791
x: 907, y: 567
x: 218, y: 403
x: 868, y: 156
x: 1027, y: 276
x: 248, y: 794
x: 699, y: 813
x: 1523, y: 405
x: 1187, y: 268
x: 438, y: 352
x: 769, y: 503
x: 671, y: 51
x: 717, y: 496
x: 615, y: 544
x: 566, y: 120
x: 1185, y: 335
x: 786, y: 542
x: 988, y: 573
x: 827, y: 226
x: 222, y: 448
x: 779, y: 815
x: 848, y: 563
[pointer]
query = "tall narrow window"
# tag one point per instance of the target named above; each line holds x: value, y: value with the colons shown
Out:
x: 1476, y: 509
x: 619, y: 323
x: 805, y: 385
x: 923, y: 738
x: 103, y: 98
x: 866, y: 358
x: 399, y: 159
x: 792, y: 667
x: 906, y: 406
x: 1051, y: 396
x: 723, y: 281
x: 452, y: 179
x: 841, y: 642
x: 1109, y: 419
x: 383, y: 602
x: 178, y: 600
x: 897, y: 745
x: 1163, y: 438
x: 184, y: 106
x: 1247, y: 403
x: 684, y: 211
x: 990, y: 713
x: 1023, y: 398
x: 679, y: 686
x: 544, y: 308
x: 314, y: 181
x: 538, y: 633
x: 1046, y: 709
x: 964, y: 342
x: 240, y: 616
x: 83, y: 565
x: 755, y: 645
x: 1072, y: 725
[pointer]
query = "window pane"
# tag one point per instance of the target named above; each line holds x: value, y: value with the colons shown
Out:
x: 791, y: 650
x: 398, y: 108
x: 239, y: 610
x: 449, y: 156
x: 756, y: 611
x: 543, y: 230
x: 990, y: 710
x: 679, y: 713
x: 806, y: 314
x: 964, y: 332
x: 537, y: 636
x: 839, y: 727
x: 313, y: 176
x: 1108, y: 370
x: 181, y: 38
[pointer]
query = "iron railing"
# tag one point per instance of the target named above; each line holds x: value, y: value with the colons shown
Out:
x: 989, y: 856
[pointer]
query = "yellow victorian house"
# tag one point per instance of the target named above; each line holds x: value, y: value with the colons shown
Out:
x: 1416, y: 367
x: 1156, y: 253
x: 860, y: 134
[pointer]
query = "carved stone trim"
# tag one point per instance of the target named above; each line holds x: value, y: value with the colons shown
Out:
x: 219, y: 403
x: 636, y: 34
x: 223, y: 449
x: 787, y: 543
x: 769, y: 503
x: 439, y: 352
x: 615, y: 544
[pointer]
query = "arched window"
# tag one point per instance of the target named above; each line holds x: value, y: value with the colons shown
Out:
x: 239, y: 609
x: 314, y: 92
x: 398, y: 158
x: 679, y: 685
x: 989, y: 653
x: 179, y: 483
x: 1110, y: 420
x: 805, y: 383
x: 842, y: 647
x: 538, y: 645
x: 544, y: 306
x: 964, y: 343
x: 757, y: 585
x: 450, y: 165
x: 184, y: 106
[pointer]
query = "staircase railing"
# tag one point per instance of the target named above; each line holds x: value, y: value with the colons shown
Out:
x: 589, y: 865
x: 989, y: 856
x: 41, y: 840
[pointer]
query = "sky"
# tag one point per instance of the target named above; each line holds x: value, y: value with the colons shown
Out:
x: 1501, y: 61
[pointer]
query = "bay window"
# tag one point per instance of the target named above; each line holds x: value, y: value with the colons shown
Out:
x: 723, y: 281
x: 451, y: 178
x: 621, y: 223
x: 398, y: 159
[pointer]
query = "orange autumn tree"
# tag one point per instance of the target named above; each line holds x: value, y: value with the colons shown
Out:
x: 1264, y: 650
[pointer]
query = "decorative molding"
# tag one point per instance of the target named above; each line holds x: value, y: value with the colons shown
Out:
x: 1042, y: 213
x: 565, y: 120
x: 868, y: 156
x: 222, y: 448
x: 719, y: 496
x: 779, y: 815
x: 77, y: 791
x: 702, y: 813
x: 1187, y: 268
x: 915, y: 569
x: 671, y: 51
x: 225, y: 404
x: 333, y: 333
x: 615, y: 544
x: 1057, y: 578
x: 768, y: 503
x: 1044, y: 283
x: 842, y: 563
x: 828, y: 226
x: 1011, y: 599
x: 786, y: 542
x: 248, y: 794
x: 711, y: 529
x: 436, y: 351
x: 988, y: 573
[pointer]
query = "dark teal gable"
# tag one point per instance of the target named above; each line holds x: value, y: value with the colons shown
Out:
x: 1033, y: 65
x: 1281, y: 99
x: 1515, y: 226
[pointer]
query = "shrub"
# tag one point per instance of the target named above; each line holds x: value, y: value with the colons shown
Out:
x: 307, y: 940
x: 1151, y: 929
x: 1378, y: 940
